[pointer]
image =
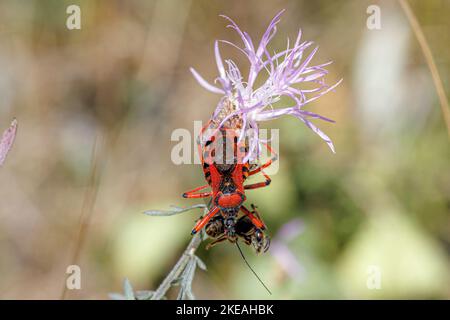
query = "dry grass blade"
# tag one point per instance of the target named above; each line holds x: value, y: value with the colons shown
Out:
x: 430, y: 61
x: 87, y: 207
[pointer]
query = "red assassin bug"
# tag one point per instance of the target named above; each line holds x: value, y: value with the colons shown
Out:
x: 226, y: 179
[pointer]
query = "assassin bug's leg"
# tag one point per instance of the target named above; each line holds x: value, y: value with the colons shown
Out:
x: 259, y: 239
x: 203, y: 221
x: 203, y: 147
x: 190, y: 194
x: 260, y: 168
x: 255, y: 211
x: 259, y: 184
x: 274, y: 157
x: 215, y: 242
x: 200, y: 137
x: 255, y: 220
x: 203, y: 130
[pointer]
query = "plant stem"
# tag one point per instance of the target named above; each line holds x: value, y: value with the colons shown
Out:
x: 175, y: 273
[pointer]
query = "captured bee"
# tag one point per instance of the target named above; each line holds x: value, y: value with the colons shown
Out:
x: 243, y: 228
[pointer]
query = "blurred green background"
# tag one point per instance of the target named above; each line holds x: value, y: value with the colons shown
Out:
x: 121, y: 85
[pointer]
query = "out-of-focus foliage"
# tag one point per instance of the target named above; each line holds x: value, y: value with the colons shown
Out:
x: 382, y: 200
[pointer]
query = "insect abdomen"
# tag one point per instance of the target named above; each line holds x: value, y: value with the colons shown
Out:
x: 230, y: 201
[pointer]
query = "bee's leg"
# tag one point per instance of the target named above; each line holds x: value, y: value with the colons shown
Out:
x: 260, y: 241
x: 266, y: 243
x: 247, y: 239
x: 215, y: 242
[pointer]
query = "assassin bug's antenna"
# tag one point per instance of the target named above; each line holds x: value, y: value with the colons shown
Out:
x: 248, y: 265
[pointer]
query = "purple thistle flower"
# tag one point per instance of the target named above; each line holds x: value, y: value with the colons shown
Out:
x: 7, y: 140
x: 285, y: 71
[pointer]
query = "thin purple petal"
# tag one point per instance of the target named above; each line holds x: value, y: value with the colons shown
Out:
x: 205, y: 84
x: 7, y: 141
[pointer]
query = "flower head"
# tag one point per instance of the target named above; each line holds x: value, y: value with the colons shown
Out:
x: 284, y: 74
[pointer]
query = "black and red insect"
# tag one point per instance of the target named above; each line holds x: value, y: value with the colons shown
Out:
x: 225, y: 172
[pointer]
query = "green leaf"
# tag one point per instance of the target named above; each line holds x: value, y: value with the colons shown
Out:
x: 128, y: 290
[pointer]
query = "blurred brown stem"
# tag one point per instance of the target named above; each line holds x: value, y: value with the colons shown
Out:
x: 430, y: 61
x: 87, y: 207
